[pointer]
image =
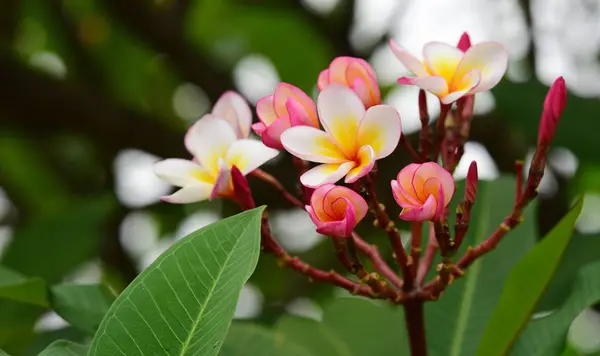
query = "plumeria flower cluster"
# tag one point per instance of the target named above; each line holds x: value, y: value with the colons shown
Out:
x: 343, y: 134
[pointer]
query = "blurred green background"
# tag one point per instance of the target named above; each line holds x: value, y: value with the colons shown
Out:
x: 92, y: 92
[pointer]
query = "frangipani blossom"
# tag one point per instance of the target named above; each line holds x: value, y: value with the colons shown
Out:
x: 216, y: 148
x: 354, y: 73
x: 423, y: 191
x: 336, y: 210
x: 353, y: 138
x: 452, y: 72
x: 287, y: 107
x: 234, y: 109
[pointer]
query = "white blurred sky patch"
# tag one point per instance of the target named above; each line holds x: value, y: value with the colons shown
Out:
x: 139, y: 233
x: 90, y: 272
x: 136, y: 183
x: 486, y: 167
x: 255, y: 76
x: 196, y: 221
x: 548, y: 186
x: 50, y: 322
x: 294, y: 230
x: 584, y: 331
x: 305, y: 307
x: 190, y: 102
x: 250, y: 303
x: 563, y: 161
x: 405, y: 100
x: 588, y: 222
x: 322, y: 7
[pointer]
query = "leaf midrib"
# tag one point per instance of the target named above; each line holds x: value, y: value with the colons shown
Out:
x: 187, y: 341
x: 466, y: 301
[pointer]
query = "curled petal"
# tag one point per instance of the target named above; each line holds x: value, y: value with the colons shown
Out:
x: 402, y: 197
x: 464, y: 43
x: 312, y: 145
x: 433, y: 170
x: 381, y: 129
x: 323, y: 80
x: 247, y: 155
x: 423, y: 213
x: 298, y: 116
x: 271, y: 135
x: 336, y: 210
x: 265, y: 110
x: 366, y: 160
x: 286, y: 92
x: 317, y: 199
x: 411, y: 62
x: 259, y: 128
x: 325, y: 173
x: 189, y: 194
x: 234, y: 109
x: 490, y: 58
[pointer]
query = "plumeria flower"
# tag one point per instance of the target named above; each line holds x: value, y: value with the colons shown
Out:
x: 355, y: 73
x: 452, y: 72
x: 216, y: 148
x: 234, y: 109
x: 353, y: 138
x: 336, y: 210
x: 287, y: 107
x: 423, y: 191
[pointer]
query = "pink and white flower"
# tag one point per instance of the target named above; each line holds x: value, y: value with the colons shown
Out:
x: 234, y: 109
x: 216, y: 148
x: 336, y: 210
x: 452, y: 72
x: 353, y: 138
x: 423, y: 191
x: 354, y: 73
x: 287, y: 107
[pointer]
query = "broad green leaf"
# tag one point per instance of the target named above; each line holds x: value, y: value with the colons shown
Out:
x: 2, y: 353
x: 64, y: 348
x: 455, y: 323
x: 546, y: 336
x: 184, y: 302
x: 16, y: 287
x: 248, y: 339
x: 524, y: 287
x: 83, y: 306
x: 314, y: 336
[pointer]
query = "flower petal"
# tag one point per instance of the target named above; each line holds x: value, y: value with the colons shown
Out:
x: 285, y: 92
x: 181, y: 172
x: 342, y: 228
x: 234, y: 109
x: 323, y: 80
x: 411, y: 62
x: 325, y: 173
x: 189, y: 194
x: 271, y: 136
x: 490, y: 58
x: 464, y: 43
x: 429, y: 170
x: 360, y: 205
x: 463, y: 87
x: 442, y: 59
x: 259, y: 128
x: 223, y: 186
x: 317, y: 199
x: 362, y: 80
x: 403, y: 198
x: 311, y: 144
x: 366, y: 160
x: 433, y: 84
x: 340, y: 111
x: 381, y: 129
x: 265, y: 110
x: 248, y: 154
x: 298, y: 115
x: 208, y: 140
x: 423, y: 213
x: 337, y: 70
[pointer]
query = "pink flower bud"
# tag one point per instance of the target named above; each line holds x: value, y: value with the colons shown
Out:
x: 471, y: 183
x: 464, y: 43
x: 336, y: 210
x: 554, y: 104
x: 356, y: 74
x: 423, y: 191
x: 287, y: 107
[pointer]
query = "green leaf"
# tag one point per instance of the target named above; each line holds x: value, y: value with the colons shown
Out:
x: 14, y: 286
x: 64, y: 348
x: 184, y: 302
x: 546, y: 336
x: 2, y: 353
x: 524, y: 287
x: 248, y: 339
x: 455, y: 323
x: 314, y: 336
x: 83, y: 306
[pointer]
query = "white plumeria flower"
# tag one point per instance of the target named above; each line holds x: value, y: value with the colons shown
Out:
x: 353, y: 138
x: 449, y: 73
x: 216, y: 148
x: 234, y: 109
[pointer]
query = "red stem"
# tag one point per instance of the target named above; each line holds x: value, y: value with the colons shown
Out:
x: 416, y: 229
x: 440, y: 129
x: 378, y: 262
x: 266, y: 177
x: 424, y: 135
x: 427, y: 261
x: 415, y: 156
x: 415, y: 323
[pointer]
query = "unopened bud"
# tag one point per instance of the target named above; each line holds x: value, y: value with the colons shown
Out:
x: 464, y: 43
x: 471, y: 183
x: 554, y: 104
x: 241, y: 189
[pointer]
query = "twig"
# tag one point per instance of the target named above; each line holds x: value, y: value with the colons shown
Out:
x: 427, y: 261
x: 440, y: 129
x: 415, y: 323
x: 416, y: 228
x: 266, y: 177
x: 406, y: 144
x: 424, y: 135
x: 378, y: 262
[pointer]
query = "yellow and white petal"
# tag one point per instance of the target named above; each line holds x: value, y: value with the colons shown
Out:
x: 433, y: 84
x: 325, y: 173
x: 490, y: 58
x: 380, y: 129
x: 265, y: 110
x: 223, y: 186
x: 411, y: 62
x: 234, y: 109
x: 366, y: 160
x: 208, y: 140
x: 181, y: 172
x: 463, y: 87
x: 340, y: 111
x: 189, y: 194
x: 248, y: 154
x: 311, y: 144
x: 442, y: 59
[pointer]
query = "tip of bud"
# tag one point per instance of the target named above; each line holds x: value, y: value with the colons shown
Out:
x: 471, y: 183
x: 554, y: 105
x: 464, y: 43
